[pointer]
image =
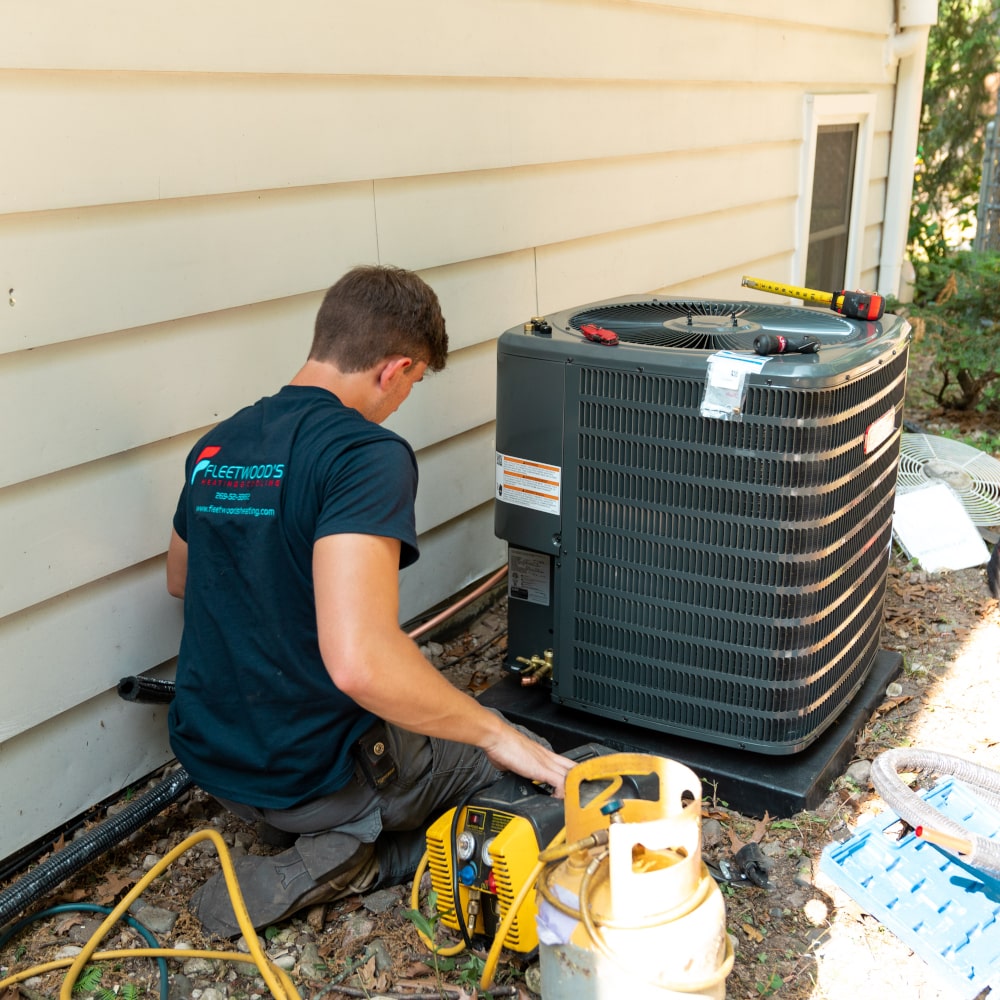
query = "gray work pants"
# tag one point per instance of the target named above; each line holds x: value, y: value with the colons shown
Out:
x: 434, y: 775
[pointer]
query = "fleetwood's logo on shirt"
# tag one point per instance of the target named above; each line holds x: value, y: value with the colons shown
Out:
x: 264, y: 473
x: 206, y: 453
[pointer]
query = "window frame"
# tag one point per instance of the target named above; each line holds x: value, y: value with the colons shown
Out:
x: 837, y: 109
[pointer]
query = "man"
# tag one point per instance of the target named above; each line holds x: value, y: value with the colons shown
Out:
x: 300, y: 704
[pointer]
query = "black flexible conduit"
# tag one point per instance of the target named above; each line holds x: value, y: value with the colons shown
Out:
x: 146, y: 689
x: 84, y: 848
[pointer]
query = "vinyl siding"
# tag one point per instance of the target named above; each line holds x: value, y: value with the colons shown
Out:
x: 179, y: 185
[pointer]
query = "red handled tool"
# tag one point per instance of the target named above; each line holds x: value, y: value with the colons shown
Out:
x: 598, y: 334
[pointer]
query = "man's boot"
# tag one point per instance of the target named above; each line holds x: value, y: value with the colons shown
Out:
x: 275, y: 887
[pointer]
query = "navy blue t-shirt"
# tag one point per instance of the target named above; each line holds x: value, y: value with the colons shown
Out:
x: 256, y: 717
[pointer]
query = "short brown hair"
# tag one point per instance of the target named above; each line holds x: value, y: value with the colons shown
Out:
x: 376, y: 311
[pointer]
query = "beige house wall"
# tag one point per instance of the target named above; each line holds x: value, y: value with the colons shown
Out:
x: 180, y: 182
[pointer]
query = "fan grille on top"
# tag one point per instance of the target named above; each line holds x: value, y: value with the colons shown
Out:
x: 712, y: 325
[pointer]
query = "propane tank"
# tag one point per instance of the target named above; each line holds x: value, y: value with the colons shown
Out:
x: 627, y: 907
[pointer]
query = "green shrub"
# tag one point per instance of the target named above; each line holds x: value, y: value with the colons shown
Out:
x: 956, y: 308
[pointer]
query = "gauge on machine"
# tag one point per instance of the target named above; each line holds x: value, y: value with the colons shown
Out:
x: 486, y: 856
x: 465, y: 845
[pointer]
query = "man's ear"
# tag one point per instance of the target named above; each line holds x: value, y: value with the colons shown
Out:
x: 391, y: 368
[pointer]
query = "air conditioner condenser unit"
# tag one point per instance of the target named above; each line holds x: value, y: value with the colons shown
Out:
x: 718, y: 577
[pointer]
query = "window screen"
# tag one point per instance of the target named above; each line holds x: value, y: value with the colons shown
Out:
x: 832, y: 196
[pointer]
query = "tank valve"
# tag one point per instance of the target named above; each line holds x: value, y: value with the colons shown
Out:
x: 612, y: 810
x: 536, y: 668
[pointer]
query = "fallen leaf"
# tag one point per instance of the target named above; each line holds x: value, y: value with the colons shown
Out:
x: 65, y: 926
x: 74, y: 896
x: 479, y: 681
x: 372, y: 979
x: 415, y: 970
x: 752, y: 933
x: 110, y: 889
x: 714, y: 813
x: 760, y: 829
x: 890, y: 703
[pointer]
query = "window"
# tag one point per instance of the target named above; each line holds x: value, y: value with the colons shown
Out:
x: 830, y: 215
x: 835, y: 185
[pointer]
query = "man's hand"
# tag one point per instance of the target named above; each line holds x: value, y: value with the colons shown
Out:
x: 516, y: 752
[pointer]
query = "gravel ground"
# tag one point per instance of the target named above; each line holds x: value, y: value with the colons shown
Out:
x: 802, y: 937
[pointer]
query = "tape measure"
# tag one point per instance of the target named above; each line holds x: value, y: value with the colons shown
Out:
x: 854, y: 305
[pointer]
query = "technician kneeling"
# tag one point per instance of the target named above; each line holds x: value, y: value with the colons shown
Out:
x: 299, y: 701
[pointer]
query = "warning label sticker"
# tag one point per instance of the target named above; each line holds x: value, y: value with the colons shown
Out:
x: 528, y: 484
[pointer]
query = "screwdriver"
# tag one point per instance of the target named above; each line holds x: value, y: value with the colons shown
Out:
x: 853, y: 305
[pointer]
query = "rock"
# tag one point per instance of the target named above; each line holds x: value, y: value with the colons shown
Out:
x: 150, y: 861
x: 213, y: 993
x: 245, y: 839
x: 316, y: 917
x: 804, y: 873
x: 894, y: 690
x: 198, y: 967
x: 84, y: 931
x: 310, y: 963
x: 829, y: 807
x: 283, y: 959
x: 181, y: 987
x: 711, y: 833
x: 357, y: 928
x: 378, y: 950
x: 157, y: 919
x: 860, y: 773
x: 68, y: 951
x: 241, y: 944
x: 533, y: 978
x: 432, y: 651
x: 381, y: 900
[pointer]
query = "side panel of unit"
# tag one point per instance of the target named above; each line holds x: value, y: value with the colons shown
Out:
x: 530, y: 428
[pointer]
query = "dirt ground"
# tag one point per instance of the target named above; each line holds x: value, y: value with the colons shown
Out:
x: 801, y: 937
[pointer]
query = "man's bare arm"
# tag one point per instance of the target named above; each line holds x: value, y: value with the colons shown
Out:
x: 372, y: 661
x: 177, y: 562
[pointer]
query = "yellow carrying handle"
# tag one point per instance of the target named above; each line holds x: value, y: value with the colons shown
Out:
x: 675, y: 780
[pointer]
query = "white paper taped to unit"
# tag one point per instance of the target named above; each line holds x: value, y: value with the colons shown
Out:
x: 725, y: 384
x: 528, y: 576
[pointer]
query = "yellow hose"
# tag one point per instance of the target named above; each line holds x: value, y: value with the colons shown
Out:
x: 182, y: 954
x: 277, y: 980
x: 415, y: 905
